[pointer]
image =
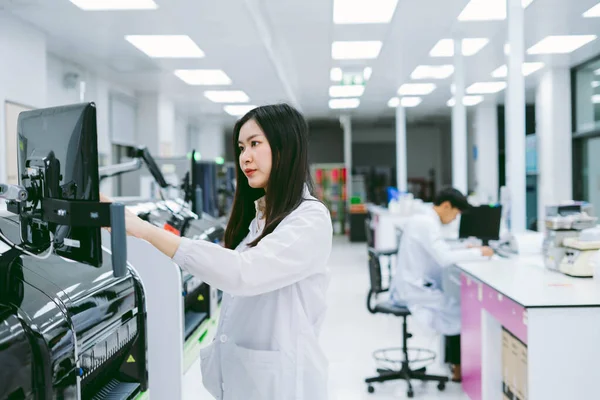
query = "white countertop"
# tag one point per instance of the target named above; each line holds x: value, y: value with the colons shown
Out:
x: 527, y: 282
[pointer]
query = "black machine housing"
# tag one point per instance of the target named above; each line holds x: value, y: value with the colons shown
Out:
x: 72, y: 315
x: 200, y: 300
x: 68, y: 329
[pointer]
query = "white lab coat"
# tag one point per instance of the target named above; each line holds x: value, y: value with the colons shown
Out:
x: 417, y: 283
x: 266, y: 346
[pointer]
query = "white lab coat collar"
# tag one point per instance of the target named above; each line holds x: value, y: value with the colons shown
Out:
x: 260, y: 204
x: 433, y: 214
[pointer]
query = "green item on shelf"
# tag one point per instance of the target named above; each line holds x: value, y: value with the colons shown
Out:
x: 355, y: 200
x: 142, y: 396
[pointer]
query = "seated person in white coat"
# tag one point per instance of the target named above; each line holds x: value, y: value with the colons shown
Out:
x: 273, y: 269
x: 422, y: 256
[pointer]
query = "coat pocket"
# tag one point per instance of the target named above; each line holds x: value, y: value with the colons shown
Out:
x: 211, y: 375
x: 254, y: 375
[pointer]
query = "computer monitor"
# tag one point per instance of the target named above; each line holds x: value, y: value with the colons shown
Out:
x: 482, y: 222
x: 204, y: 175
x: 144, y: 154
x: 61, y: 142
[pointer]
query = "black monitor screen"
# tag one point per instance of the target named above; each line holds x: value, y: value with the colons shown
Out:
x: 481, y: 222
x: 69, y: 132
x: 204, y: 174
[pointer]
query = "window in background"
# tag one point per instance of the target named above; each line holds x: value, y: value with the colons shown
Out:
x: 12, y: 111
x: 587, y: 97
x: 591, y: 172
x: 586, y: 129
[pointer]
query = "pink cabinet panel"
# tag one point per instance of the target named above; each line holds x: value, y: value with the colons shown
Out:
x: 471, y: 336
x: 476, y: 297
x: 511, y: 315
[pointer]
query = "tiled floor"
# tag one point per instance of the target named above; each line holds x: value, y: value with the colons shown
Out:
x: 351, y: 333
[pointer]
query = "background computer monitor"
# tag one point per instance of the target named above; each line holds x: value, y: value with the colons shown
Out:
x: 70, y: 133
x: 204, y: 175
x: 481, y: 222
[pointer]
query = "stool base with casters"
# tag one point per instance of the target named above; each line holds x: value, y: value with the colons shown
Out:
x: 405, y: 372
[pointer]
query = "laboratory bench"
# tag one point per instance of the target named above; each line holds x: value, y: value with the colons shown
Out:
x: 528, y: 332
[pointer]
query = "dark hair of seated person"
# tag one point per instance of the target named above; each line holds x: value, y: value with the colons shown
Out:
x: 454, y: 197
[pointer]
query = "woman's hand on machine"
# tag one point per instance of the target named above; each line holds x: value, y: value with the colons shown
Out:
x: 165, y: 241
x: 134, y: 225
x: 105, y: 199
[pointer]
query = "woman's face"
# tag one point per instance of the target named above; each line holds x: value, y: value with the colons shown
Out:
x: 255, y: 155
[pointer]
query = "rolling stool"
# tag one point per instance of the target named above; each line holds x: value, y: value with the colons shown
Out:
x: 383, y: 355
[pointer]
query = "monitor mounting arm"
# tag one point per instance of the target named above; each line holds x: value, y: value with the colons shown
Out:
x: 24, y: 201
x: 114, y: 170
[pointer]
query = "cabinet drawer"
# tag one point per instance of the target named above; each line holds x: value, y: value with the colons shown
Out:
x: 511, y: 315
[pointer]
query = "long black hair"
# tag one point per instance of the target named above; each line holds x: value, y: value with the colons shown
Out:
x: 286, y: 131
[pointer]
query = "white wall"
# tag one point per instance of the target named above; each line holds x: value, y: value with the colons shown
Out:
x: 97, y: 90
x: 209, y: 138
x: 166, y: 126
x: 157, y: 126
x: 58, y: 93
x: 147, y: 134
x: 31, y: 77
x: 22, y: 71
x: 181, y: 137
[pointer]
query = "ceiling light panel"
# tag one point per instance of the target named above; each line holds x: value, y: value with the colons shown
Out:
x: 166, y: 46
x: 394, y: 102
x: 404, y: 102
x: 468, y: 101
x: 355, y: 50
x: 432, y: 72
x: 527, y: 68
x: 487, y: 10
x: 560, y: 44
x: 346, y: 91
x: 203, y: 76
x: 336, y: 74
x: 470, y: 46
x: 363, y: 11
x: 238, y: 110
x: 486, y: 87
x: 110, y: 5
x: 593, y: 12
x: 337, y: 104
x: 416, y: 89
x: 226, y: 96
x: 410, y: 101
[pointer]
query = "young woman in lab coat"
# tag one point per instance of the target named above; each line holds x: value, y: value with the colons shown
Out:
x: 273, y: 270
